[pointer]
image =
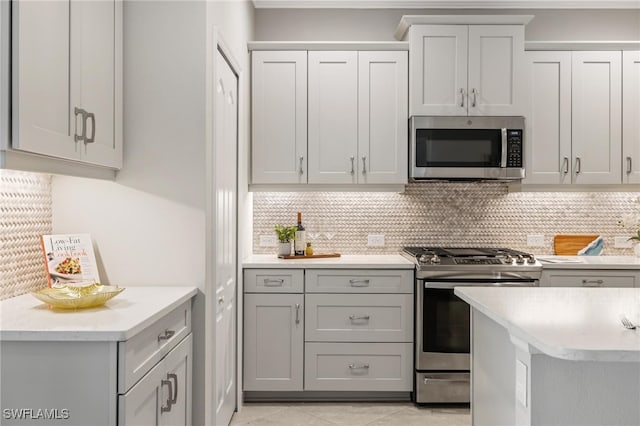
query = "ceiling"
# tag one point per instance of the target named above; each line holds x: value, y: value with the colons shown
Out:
x: 448, y: 4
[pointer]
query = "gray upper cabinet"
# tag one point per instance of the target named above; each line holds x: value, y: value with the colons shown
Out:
x: 67, y: 80
x: 574, y: 125
x: 329, y: 117
x: 467, y: 70
x: 630, y: 117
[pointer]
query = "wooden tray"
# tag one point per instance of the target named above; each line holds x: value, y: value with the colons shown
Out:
x: 313, y: 256
x: 571, y: 244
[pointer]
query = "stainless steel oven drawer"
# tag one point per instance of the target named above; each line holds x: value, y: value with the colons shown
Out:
x: 443, y: 387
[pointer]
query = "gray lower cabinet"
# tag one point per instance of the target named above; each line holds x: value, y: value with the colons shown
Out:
x: 273, y: 342
x: 590, y: 278
x: 144, y: 380
x: 328, y: 330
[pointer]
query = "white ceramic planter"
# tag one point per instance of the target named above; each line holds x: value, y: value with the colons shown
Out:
x: 284, y: 249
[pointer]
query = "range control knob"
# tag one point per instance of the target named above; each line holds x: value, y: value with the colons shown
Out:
x: 423, y: 259
x: 435, y: 259
x: 508, y: 259
x: 519, y: 259
x: 531, y: 259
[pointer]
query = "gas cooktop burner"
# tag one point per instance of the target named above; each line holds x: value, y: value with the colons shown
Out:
x: 438, y: 257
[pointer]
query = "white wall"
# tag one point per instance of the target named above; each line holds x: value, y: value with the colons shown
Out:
x: 149, y: 225
x: 380, y: 24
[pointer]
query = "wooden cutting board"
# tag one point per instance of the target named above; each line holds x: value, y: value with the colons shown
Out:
x: 571, y: 244
x: 313, y: 256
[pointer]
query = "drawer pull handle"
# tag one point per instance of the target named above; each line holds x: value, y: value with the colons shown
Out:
x: 297, y: 313
x: 359, y: 283
x: 359, y: 317
x: 428, y: 380
x: 592, y: 283
x: 168, y: 334
x: 358, y: 367
x: 174, y: 395
x: 168, y: 407
x: 269, y: 282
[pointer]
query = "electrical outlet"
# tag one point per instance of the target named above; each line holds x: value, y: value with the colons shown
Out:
x: 375, y: 240
x: 622, y: 242
x: 535, y: 240
x: 268, y: 241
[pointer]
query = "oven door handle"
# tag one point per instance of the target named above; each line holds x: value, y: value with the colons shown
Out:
x: 450, y: 285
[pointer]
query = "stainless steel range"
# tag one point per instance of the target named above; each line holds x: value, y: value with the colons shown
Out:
x: 443, y: 320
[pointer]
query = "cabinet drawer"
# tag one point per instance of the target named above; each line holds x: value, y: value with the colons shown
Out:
x: 358, y: 366
x: 139, y: 354
x: 359, y: 281
x: 588, y: 279
x: 273, y: 280
x: 359, y: 317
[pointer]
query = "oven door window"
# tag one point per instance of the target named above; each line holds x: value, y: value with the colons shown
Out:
x: 458, y: 147
x: 445, y: 324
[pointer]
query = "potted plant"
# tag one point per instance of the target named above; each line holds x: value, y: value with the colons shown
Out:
x: 285, y: 234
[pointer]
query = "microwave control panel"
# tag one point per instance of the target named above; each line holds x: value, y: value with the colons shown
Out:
x: 514, y: 148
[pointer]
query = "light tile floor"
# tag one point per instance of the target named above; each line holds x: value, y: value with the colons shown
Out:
x: 351, y: 413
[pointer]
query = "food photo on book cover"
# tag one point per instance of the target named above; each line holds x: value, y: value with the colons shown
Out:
x: 70, y: 260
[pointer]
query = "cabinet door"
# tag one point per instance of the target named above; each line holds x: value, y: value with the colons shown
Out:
x: 382, y: 117
x: 548, y: 142
x: 496, y: 76
x: 141, y: 404
x: 177, y: 371
x: 42, y: 114
x: 333, y: 117
x: 596, y: 88
x: 273, y: 342
x: 279, y: 108
x: 438, y: 75
x: 630, y: 116
x: 96, y: 77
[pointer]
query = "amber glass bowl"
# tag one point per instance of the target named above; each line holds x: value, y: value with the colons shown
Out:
x: 73, y: 297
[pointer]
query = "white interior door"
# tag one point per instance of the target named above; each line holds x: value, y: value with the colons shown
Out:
x: 225, y: 213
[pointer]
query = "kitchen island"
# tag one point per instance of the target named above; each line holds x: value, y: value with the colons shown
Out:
x: 554, y: 356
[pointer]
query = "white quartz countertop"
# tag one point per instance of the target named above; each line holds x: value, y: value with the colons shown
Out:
x: 26, y: 318
x: 590, y: 262
x: 580, y: 324
x: 369, y: 261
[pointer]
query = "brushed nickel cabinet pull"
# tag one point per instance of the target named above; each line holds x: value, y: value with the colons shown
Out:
x: 592, y: 283
x: 364, y: 164
x: 474, y: 92
x: 353, y: 170
x: 83, y: 114
x: 358, y: 367
x: 168, y: 334
x: 301, y: 169
x: 361, y: 317
x: 91, y: 116
x: 462, y: 97
x: 297, y: 313
x: 629, y: 168
x: 271, y: 282
x: 578, y: 164
x: 359, y: 283
x: 174, y: 394
x: 565, y: 167
x: 170, y: 385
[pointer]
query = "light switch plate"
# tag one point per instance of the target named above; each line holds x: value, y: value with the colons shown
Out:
x: 535, y: 240
x: 622, y: 242
x: 268, y: 241
x: 375, y: 240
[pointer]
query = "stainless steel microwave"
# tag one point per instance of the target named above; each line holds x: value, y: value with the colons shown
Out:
x: 466, y: 148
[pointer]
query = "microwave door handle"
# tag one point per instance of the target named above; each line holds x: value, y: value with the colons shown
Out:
x: 503, y: 159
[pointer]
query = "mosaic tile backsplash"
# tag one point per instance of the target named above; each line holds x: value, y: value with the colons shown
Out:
x: 444, y: 214
x: 25, y: 214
